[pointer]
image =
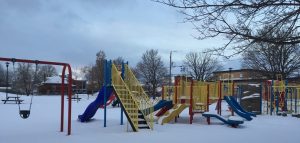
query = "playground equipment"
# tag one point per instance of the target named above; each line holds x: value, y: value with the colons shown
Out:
x: 195, y: 95
x: 230, y: 121
x: 95, y: 105
x: 236, y: 108
x: 25, y: 113
x: 65, y: 66
x: 130, y: 94
x: 280, y: 97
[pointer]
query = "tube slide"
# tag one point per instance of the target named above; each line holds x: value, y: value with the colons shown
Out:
x: 236, y: 110
x: 240, y: 107
x: 91, y: 110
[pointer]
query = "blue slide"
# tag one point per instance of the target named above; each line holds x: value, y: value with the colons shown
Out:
x: 240, y: 107
x: 236, y: 110
x: 159, y: 105
x: 233, y: 123
x: 163, y: 103
x: 91, y: 110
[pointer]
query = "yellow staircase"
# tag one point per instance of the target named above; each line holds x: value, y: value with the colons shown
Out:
x: 131, y: 102
x: 143, y: 101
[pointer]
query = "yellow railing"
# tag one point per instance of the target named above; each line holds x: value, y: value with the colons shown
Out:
x: 144, y: 103
x: 227, y: 89
x: 125, y: 96
x: 168, y: 90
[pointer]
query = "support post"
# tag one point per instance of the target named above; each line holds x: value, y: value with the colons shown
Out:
x: 105, y: 88
x: 62, y: 99
x: 232, y: 94
x: 123, y: 77
x: 191, y: 102
x: 70, y: 98
x: 272, y: 97
x: 261, y: 94
x: 220, y: 99
x: 207, y: 99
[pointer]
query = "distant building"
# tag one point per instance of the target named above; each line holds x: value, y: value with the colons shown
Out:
x: 52, y: 86
x: 80, y: 86
x: 241, y: 75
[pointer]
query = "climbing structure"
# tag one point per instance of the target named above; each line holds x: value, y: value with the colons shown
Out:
x: 196, y: 95
x: 133, y: 99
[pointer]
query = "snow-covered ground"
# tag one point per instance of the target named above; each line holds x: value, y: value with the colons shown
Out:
x: 43, y: 127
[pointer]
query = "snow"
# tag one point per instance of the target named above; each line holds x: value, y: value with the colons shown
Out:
x: 235, y: 118
x: 245, y: 92
x: 5, y: 88
x: 55, y: 80
x: 43, y: 126
x: 254, y: 95
x: 256, y: 85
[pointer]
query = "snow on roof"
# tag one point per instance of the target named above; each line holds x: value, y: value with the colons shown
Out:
x: 256, y: 85
x: 54, y: 80
x: 254, y: 95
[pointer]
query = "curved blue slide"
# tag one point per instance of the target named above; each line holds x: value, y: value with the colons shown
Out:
x: 236, y: 110
x: 91, y: 110
x: 226, y: 121
x: 163, y: 103
x: 159, y: 105
x: 240, y: 107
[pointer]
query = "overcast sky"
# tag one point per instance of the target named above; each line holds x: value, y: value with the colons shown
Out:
x: 73, y: 31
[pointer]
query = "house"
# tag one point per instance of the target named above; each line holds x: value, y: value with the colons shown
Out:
x: 80, y: 86
x: 52, y: 86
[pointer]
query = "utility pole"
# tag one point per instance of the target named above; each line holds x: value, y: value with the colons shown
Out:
x: 170, y: 70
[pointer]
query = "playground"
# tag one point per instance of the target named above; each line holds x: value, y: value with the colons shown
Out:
x: 188, y: 111
x: 43, y: 126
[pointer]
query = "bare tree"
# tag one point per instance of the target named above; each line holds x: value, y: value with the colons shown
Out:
x: 23, y: 80
x: 241, y: 20
x: 94, y: 73
x: 201, y: 65
x: 273, y: 59
x: 152, y: 70
x: 118, y: 61
x: 45, y: 71
x: 89, y: 75
x: 98, y: 69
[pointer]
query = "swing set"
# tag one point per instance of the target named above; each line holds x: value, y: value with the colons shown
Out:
x: 25, y: 113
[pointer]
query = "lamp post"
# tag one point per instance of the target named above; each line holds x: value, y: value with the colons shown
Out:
x: 170, y: 70
x: 7, y: 64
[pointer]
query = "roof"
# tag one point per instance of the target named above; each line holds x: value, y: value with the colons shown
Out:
x: 54, y: 80
x: 238, y: 70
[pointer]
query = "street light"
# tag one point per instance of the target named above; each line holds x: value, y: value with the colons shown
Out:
x: 7, y: 64
x: 170, y: 70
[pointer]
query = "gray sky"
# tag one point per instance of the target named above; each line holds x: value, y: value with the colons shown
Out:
x: 74, y: 30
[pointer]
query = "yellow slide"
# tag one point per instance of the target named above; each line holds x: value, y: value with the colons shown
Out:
x: 172, y: 113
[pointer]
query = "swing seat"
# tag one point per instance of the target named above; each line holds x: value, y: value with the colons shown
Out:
x: 24, y: 114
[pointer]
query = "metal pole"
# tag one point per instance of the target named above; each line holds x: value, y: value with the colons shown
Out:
x: 7, y: 64
x: 170, y: 80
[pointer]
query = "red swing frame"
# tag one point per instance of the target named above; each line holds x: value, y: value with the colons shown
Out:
x: 64, y: 65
